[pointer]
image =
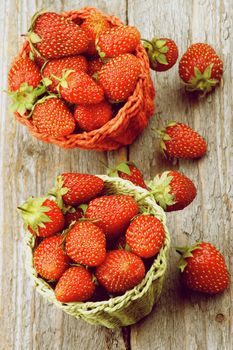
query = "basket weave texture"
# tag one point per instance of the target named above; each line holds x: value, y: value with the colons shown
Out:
x: 134, y: 304
x: 129, y: 122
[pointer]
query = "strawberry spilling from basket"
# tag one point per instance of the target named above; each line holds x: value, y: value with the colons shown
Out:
x: 75, y: 77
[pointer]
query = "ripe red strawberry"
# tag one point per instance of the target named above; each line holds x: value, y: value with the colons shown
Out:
x: 128, y: 171
x: 162, y: 53
x: 51, y: 116
x: 53, y: 36
x: 74, y: 215
x: 172, y: 190
x: 42, y: 216
x: 200, y: 68
x: 203, y: 268
x: 79, y: 87
x: 180, y: 141
x: 75, y: 188
x: 119, y: 76
x: 75, y: 285
x: 117, y: 41
x: 94, y: 66
x: 112, y: 213
x: 120, y: 271
x: 86, y: 244
x: 57, y: 66
x: 145, y: 235
x: 23, y: 71
x: 92, y: 117
x: 92, y: 26
x: 50, y: 260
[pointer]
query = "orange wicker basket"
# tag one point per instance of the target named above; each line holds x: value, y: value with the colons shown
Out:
x: 130, y: 120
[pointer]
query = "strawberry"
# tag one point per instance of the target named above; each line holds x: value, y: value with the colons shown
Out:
x: 200, y: 68
x: 172, y: 190
x: 23, y: 71
x: 86, y: 244
x: 50, y: 261
x: 203, y: 268
x: 75, y: 285
x: 92, y: 26
x: 79, y: 87
x: 162, y: 53
x: 42, y: 217
x: 57, y: 66
x: 145, y: 235
x: 94, y: 66
x: 75, y: 188
x: 51, y: 116
x: 117, y: 41
x: 73, y: 215
x: 120, y: 271
x: 92, y: 117
x: 112, y: 213
x: 53, y: 36
x: 128, y: 171
x: 180, y: 141
x: 119, y: 76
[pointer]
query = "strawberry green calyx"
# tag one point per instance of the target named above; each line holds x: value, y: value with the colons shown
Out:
x: 164, y: 136
x: 122, y: 167
x: 25, y: 98
x: 32, y: 37
x: 98, y: 49
x: 34, y: 213
x: 63, y: 80
x: 186, y: 252
x: 58, y: 191
x: 156, y: 50
x: 202, y: 81
x: 161, y: 189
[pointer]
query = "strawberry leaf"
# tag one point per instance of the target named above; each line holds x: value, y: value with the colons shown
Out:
x: 124, y: 168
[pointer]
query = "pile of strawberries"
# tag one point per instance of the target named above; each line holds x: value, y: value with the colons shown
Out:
x: 76, y: 75
x: 90, y: 245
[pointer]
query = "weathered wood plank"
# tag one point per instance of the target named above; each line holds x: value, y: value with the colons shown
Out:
x: 29, y: 167
x: 182, y: 321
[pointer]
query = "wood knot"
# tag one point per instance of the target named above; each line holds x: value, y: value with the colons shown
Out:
x: 220, y: 318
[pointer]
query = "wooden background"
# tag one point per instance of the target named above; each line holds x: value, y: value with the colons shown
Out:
x: 27, y: 166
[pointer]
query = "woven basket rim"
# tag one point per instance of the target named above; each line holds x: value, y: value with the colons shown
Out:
x: 157, y: 269
x: 113, y: 124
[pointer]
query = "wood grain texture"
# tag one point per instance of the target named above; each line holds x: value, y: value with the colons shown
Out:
x: 27, y: 166
x: 182, y: 321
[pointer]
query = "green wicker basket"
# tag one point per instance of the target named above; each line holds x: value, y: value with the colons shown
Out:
x: 134, y: 304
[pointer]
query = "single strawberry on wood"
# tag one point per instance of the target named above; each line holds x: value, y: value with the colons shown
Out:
x: 78, y: 87
x: 172, y: 190
x: 92, y: 117
x: 42, y: 216
x: 86, y: 244
x: 145, y: 235
x: 203, y: 268
x: 120, y: 271
x: 75, y: 188
x: 52, y: 117
x: 180, y: 141
x: 200, y: 68
x: 118, y: 77
x: 112, y: 213
x: 128, y: 171
x: 93, y: 25
x: 50, y: 260
x: 56, y: 67
x: 53, y: 36
x: 162, y: 53
x: 117, y: 41
x: 75, y: 285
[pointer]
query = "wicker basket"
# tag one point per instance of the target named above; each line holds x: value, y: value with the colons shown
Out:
x: 134, y: 304
x: 129, y: 122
